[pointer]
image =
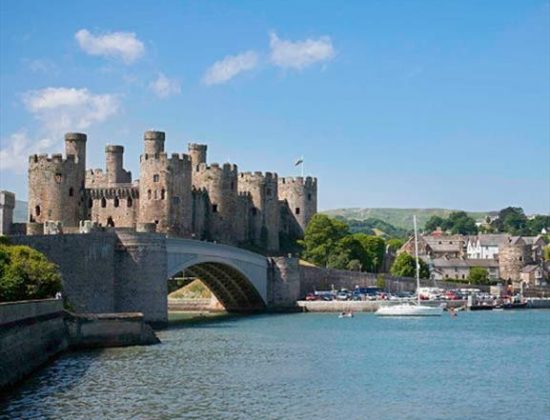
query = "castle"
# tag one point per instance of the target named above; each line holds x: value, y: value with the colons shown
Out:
x: 178, y: 195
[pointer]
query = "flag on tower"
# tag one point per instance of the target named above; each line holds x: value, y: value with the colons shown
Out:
x: 299, y: 161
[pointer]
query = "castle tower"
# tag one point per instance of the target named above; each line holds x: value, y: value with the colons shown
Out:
x: 512, y: 257
x: 197, y: 153
x: 263, y: 214
x: 7, y: 204
x: 301, y: 197
x: 165, y: 187
x: 220, y: 184
x: 56, y: 184
x: 114, y: 166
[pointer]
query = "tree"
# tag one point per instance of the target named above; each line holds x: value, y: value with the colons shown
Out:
x: 433, y: 223
x: 537, y: 223
x: 320, y: 238
x: 374, y: 249
x: 478, y: 275
x: 405, y: 266
x: 26, y: 274
x: 394, y: 244
x: 461, y: 223
x: 547, y: 253
x: 512, y: 220
x: 344, y: 252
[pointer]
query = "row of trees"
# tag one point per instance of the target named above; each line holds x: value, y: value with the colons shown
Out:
x: 328, y: 242
x: 26, y: 274
x: 511, y: 220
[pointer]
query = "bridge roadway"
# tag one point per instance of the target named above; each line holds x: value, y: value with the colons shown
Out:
x: 120, y: 270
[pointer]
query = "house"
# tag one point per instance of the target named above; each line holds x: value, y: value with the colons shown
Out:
x: 537, y: 244
x: 459, y: 269
x: 532, y: 275
x: 436, y: 246
x: 485, y: 246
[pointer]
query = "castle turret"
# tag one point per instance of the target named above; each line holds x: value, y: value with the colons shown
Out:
x: 56, y: 184
x: 154, y: 142
x: 301, y: 196
x: 197, y: 153
x: 220, y: 183
x: 114, y: 166
x: 165, y: 187
x: 263, y: 213
x: 512, y: 257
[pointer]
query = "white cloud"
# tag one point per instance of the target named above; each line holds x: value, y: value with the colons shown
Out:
x: 164, y: 87
x: 66, y: 109
x: 42, y: 65
x: 122, y: 45
x: 18, y: 147
x: 224, y: 70
x: 300, y: 54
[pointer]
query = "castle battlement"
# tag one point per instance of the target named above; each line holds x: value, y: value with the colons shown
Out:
x: 53, y: 158
x: 115, y: 192
x: 229, y: 168
x: 308, y: 181
x: 258, y: 176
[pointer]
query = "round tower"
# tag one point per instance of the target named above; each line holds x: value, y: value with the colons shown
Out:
x: 114, y: 164
x: 197, y: 152
x: 301, y: 196
x: 164, y: 187
x: 74, y: 179
x: 263, y: 213
x: 154, y: 142
x: 220, y: 183
x: 75, y: 144
x: 512, y: 257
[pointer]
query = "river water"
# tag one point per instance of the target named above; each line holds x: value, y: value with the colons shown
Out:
x: 300, y: 366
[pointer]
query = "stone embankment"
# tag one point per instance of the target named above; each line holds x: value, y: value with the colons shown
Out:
x: 361, y: 305
x: 33, y: 332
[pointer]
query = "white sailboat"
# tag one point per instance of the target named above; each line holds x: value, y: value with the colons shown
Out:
x: 410, y: 308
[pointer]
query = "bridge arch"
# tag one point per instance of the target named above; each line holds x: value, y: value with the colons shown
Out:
x: 237, y: 278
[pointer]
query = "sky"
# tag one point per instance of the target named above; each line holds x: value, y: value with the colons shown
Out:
x: 406, y: 104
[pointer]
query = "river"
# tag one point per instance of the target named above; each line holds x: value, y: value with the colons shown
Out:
x: 300, y: 366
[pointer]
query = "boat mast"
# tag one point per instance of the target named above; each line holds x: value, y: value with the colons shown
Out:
x: 416, y: 261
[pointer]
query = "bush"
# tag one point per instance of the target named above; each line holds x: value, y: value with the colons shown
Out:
x: 26, y: 274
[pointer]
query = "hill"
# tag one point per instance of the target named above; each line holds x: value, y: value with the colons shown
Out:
x: 372, y: 226
x: 399, y: 218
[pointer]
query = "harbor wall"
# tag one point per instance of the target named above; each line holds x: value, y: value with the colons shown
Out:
x: 34, y: 332
x: 362, y: 305
x: 31, y: 333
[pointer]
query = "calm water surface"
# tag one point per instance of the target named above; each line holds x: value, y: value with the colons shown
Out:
x: 299, y: 366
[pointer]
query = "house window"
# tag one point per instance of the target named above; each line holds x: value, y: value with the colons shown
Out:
x: 37, y: 210
x: 71, y: 192
x: 116, y: 202
x: 446, y: 276
x: 103, y: 202
x: 129, y: 202
x: 463, y: 277
x: 214, y: 208
x: 297, y: 210
x: 156, y: 178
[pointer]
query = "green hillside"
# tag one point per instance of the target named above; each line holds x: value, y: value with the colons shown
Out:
x: 399, y: 218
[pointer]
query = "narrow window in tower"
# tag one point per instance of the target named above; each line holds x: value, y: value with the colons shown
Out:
x: 214, y: 208
x: 175, y: 200
x: 149, y: 194
x: 90, y: 203
x: 117, y: 202
x: 129, y: 202
x: 232, y: 185
x: 103, y: 202
x: 155, y: 194
x: 58, y: 177
x: 71, y: 192
x: 162, y: 194
x: 297, y: 211
x: 156, y: 178
x: 37, y: 210
x: 268, y: 192
x: 110, y: 222
x: 254, y: 211
x: 309, y: 197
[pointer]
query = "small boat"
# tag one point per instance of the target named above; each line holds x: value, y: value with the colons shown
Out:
x: 348, y: 314
x: 409, y: 308
x: 481, y: 308
x: 515, y: 305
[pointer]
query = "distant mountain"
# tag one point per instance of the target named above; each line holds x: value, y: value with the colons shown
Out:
x: 399, y: 218
x: 20, y: 212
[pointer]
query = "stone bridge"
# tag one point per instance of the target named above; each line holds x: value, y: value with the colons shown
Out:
x: 120, y: 270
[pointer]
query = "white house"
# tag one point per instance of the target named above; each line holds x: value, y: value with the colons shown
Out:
x: 485, y: 247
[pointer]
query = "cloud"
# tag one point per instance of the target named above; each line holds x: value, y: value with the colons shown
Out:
x: 300, y: 54
x: 121, y: 45
x: 65, y: 109
x: 14, y: 156
x: 40, y: 65
x: 164, y: 87
x: 224, y: 70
